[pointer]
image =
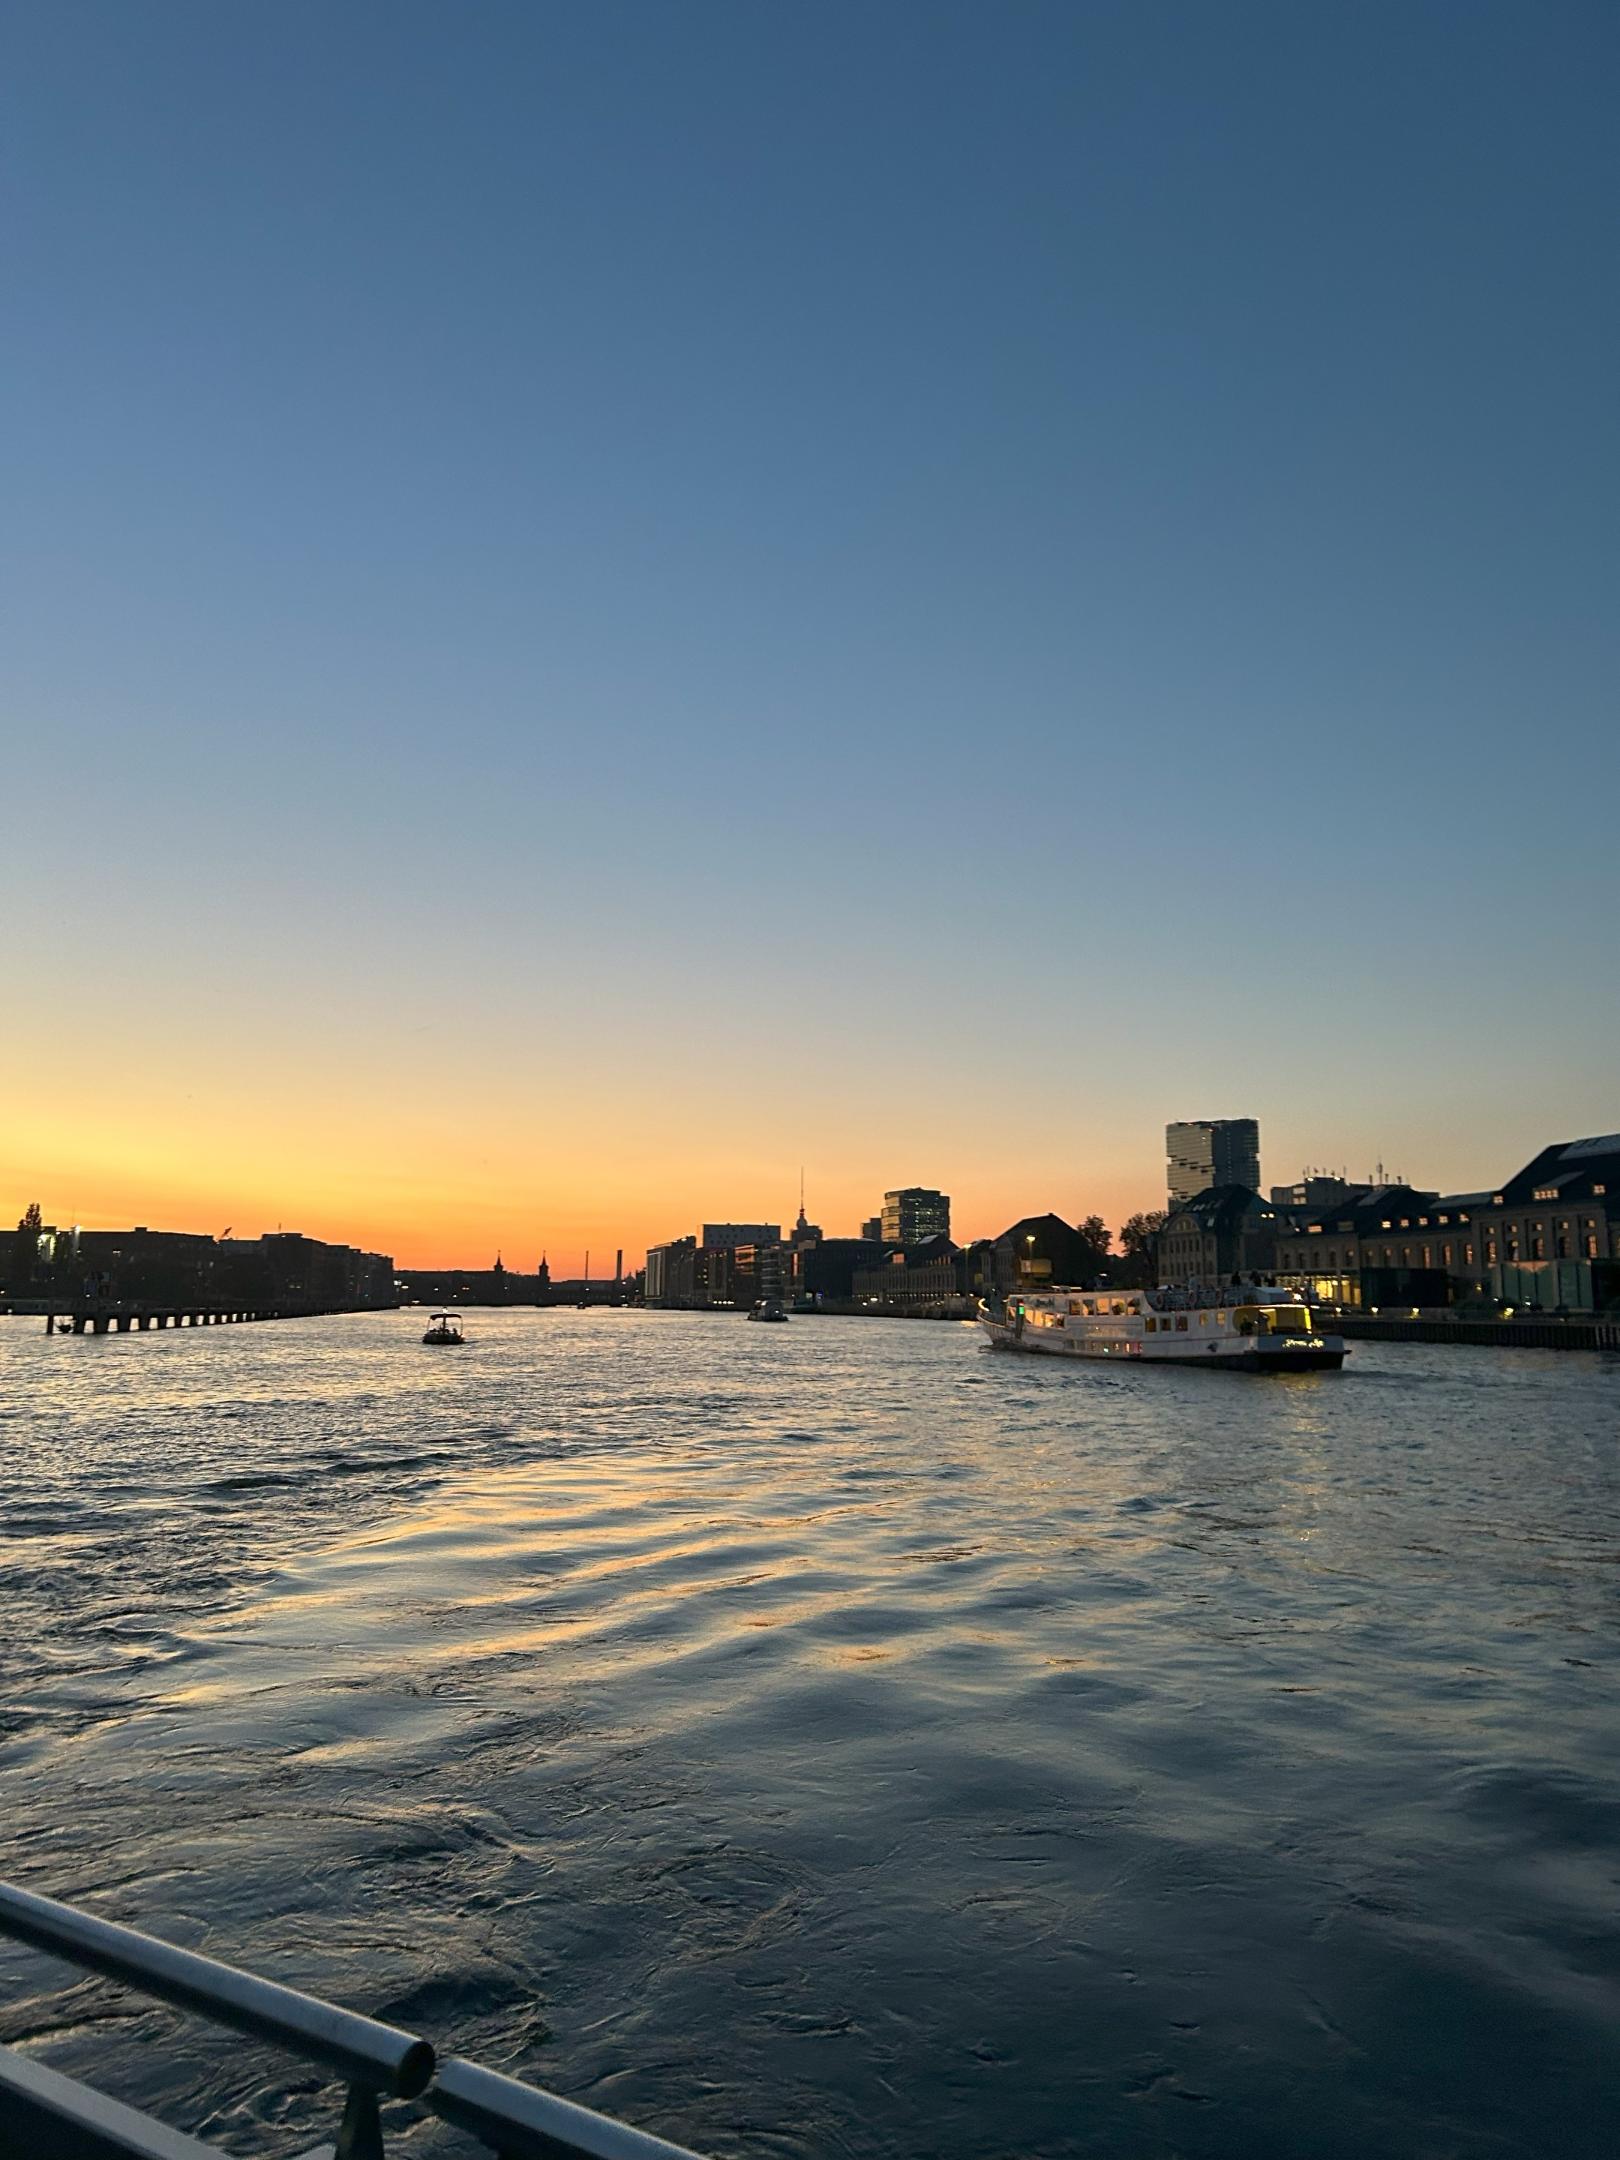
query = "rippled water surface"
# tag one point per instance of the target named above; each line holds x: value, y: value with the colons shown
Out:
x: 833, y: 1739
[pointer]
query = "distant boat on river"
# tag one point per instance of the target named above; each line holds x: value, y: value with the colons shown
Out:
x: 443, y: 1328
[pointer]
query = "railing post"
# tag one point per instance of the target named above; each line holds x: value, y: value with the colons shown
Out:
x: 360, y: 2137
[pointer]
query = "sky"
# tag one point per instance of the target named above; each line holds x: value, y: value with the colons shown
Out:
x: 605, y: 601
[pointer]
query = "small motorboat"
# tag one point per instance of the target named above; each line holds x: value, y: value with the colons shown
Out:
x: 768, y: 1308
x: 444, y: 1327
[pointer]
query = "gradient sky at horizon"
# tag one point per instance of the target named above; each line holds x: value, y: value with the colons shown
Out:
x: 606, y: 601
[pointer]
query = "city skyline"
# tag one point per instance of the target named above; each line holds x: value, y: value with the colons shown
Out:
x: 524, y: 540
x: 522, y: 1250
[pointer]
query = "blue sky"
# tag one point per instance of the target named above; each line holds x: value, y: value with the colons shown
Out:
x: 1033, y: 545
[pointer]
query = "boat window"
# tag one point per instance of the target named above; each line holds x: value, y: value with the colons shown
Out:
x: 1181, y: 1322
x: 1118, y: 1305
x: 1152, y: 1326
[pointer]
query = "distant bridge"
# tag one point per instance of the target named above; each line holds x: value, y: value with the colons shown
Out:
x: 69, y: 1315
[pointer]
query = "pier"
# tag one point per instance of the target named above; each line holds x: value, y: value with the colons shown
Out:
x: 1546, y: 1333
x: 123, y: 1316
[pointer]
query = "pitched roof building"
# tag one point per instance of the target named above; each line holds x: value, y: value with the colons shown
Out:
x: 1224, y: 1230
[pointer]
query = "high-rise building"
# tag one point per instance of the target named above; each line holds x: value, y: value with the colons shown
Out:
x: 914, y: 1214
x: 1212, y: 1151
x: 872, y: 1230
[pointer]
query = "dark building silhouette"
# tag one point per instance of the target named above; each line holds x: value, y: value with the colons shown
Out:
x: 825, y: 1273
x: 916, y: 1278
x: 280, y: 1271
x: 724, y: 1236
x: 670, y: 1277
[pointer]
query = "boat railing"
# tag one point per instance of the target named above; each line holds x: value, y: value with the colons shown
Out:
x: 50, y: 2116
x: 1213, y: 1297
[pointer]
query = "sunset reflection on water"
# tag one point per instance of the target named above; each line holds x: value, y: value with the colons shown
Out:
x: 835, y: 1738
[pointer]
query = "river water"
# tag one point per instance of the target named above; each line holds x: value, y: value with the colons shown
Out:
x: 835, y: 1738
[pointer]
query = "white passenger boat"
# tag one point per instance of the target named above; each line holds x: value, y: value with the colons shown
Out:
x: 1245, y: 1326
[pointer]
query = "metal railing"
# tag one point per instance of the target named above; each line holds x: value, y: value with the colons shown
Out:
x: 47, y: 2115
x: 520, y: 2122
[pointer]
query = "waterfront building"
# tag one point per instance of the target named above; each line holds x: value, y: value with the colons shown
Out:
x: 726, y: 1236
x: 165, y: 1267
x: 172, y: 1267
x: 1547, y: 1238
x: 1550, y: 1235
x: 1036, y: 1250
x: 1202, y: 1152
x: 714, y: 1275
x: 824, y: 1273
x: 872, y: 1229
x: 1224, y: 1230
x: 1386, y: 1245
x: 914, y: 1214
x: 670, y: 1277
x: 924, y: 1278
x: 746, y: 1273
